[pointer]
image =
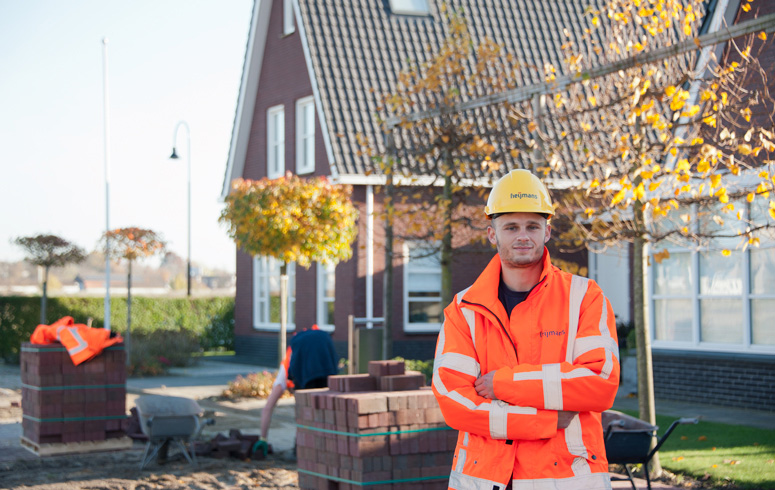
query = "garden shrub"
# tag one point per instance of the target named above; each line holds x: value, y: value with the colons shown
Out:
x: 425, y: 367
x: 209, y: 320
x: 254, y: 385
x: 152, y: 353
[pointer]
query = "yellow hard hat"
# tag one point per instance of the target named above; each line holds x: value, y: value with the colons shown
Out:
x: 519, y: 191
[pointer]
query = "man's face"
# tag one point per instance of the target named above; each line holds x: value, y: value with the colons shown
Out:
x: 520, y: 238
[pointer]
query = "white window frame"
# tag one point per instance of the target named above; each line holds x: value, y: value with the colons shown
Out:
x: 275, y: 142
x: 323, y: 301
x: 305, y: 136
x: 695, y: 295
x: 417, y: 327
x: 289, y: 26
x: 263, y: 267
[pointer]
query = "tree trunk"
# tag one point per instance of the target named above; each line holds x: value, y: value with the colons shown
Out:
x: 283, y: 308
x: 387, y: 294
x: 44, y: 298
x: 128, y: 336
x: 446, y: 240
x: 646, y: 406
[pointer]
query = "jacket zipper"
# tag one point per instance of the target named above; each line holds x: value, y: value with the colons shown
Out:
x: 505, y: 330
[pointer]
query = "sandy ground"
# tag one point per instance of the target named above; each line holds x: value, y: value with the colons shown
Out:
x: 119, y: 470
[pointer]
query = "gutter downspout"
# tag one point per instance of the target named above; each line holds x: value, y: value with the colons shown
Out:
x: 369, y: 253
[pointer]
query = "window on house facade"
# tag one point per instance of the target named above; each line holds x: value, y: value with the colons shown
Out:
x: 305, y: 135
x: 326, y: 293
x: 289, y: 26
x: 275, y: 142
x: 422, y: 288
x: 266, y: 294
x: 409, y: 7
x: 703, y: 300
x: 761, y: 281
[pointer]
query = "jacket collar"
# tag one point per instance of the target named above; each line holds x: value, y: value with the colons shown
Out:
x: 484, y: 290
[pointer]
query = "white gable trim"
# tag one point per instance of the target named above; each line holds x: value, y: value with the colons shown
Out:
x: 246, y: 102
x: 315, y: 91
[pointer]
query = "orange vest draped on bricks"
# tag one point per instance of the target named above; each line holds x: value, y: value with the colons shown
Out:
x: 81, y: 341
x: 557, y: 351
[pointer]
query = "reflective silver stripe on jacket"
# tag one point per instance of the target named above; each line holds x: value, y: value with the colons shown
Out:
x: 573, y: 437
x: 460, y: 481
x: 81, y: 343
x: 456, y: 362
x: 461, y: 460
x: 578, y: 289
x: 552, y: 385
x: 612, y: 352
x: 593, y: 481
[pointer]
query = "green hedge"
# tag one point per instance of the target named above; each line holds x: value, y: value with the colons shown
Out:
x: 210, y: 320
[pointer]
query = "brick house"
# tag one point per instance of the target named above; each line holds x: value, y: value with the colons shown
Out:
x: 305, y: 95
x: 713, y: 337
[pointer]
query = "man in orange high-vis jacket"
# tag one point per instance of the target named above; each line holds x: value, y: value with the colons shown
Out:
x: 526, y: 359
x: 309, y: 360
x: 81, y: 341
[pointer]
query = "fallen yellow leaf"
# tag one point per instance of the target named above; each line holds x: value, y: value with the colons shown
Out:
x: 702, y: 438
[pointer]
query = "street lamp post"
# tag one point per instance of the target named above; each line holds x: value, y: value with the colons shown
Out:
x: 174, y: 156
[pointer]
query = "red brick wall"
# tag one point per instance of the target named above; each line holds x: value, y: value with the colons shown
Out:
x: 284, y: 79
x: 765, y: 53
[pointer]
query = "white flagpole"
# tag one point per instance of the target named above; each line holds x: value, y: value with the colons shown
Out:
x: 107, y: 178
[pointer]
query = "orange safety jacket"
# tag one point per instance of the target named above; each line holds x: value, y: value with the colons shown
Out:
x: 556, y: 351
x: 81, y: 341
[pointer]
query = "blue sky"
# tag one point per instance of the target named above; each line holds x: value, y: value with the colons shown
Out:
x: 168, y: 60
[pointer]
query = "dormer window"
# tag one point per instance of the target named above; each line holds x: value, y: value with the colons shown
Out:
x: 409, y: 7
x: 288, y: 21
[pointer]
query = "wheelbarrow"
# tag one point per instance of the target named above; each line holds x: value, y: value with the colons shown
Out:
x: 628, y: 440
x: 169, y: 421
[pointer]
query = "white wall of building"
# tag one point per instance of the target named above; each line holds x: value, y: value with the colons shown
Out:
x: 611, y: 270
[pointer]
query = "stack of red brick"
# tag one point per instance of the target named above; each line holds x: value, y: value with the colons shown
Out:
x: 351, y: 436
x: 63, y: 403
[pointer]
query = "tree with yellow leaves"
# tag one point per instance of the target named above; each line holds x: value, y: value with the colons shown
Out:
x: 451, y: 151
x: 293, y: 220
x: 675, y: 143
x: 658, y: 125
x: 131, y: 244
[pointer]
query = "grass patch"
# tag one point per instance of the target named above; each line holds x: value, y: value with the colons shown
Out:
x: 214, y: 353
x: 719, y: 454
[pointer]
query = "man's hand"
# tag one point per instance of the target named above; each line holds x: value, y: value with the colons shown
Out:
x: 564, y: 419
x: 484, y: 386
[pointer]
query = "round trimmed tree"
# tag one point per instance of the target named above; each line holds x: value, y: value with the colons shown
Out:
x: 292, y: 220
x: 49, y: 251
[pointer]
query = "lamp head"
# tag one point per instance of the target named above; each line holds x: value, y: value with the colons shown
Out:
x: 174, y: 155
